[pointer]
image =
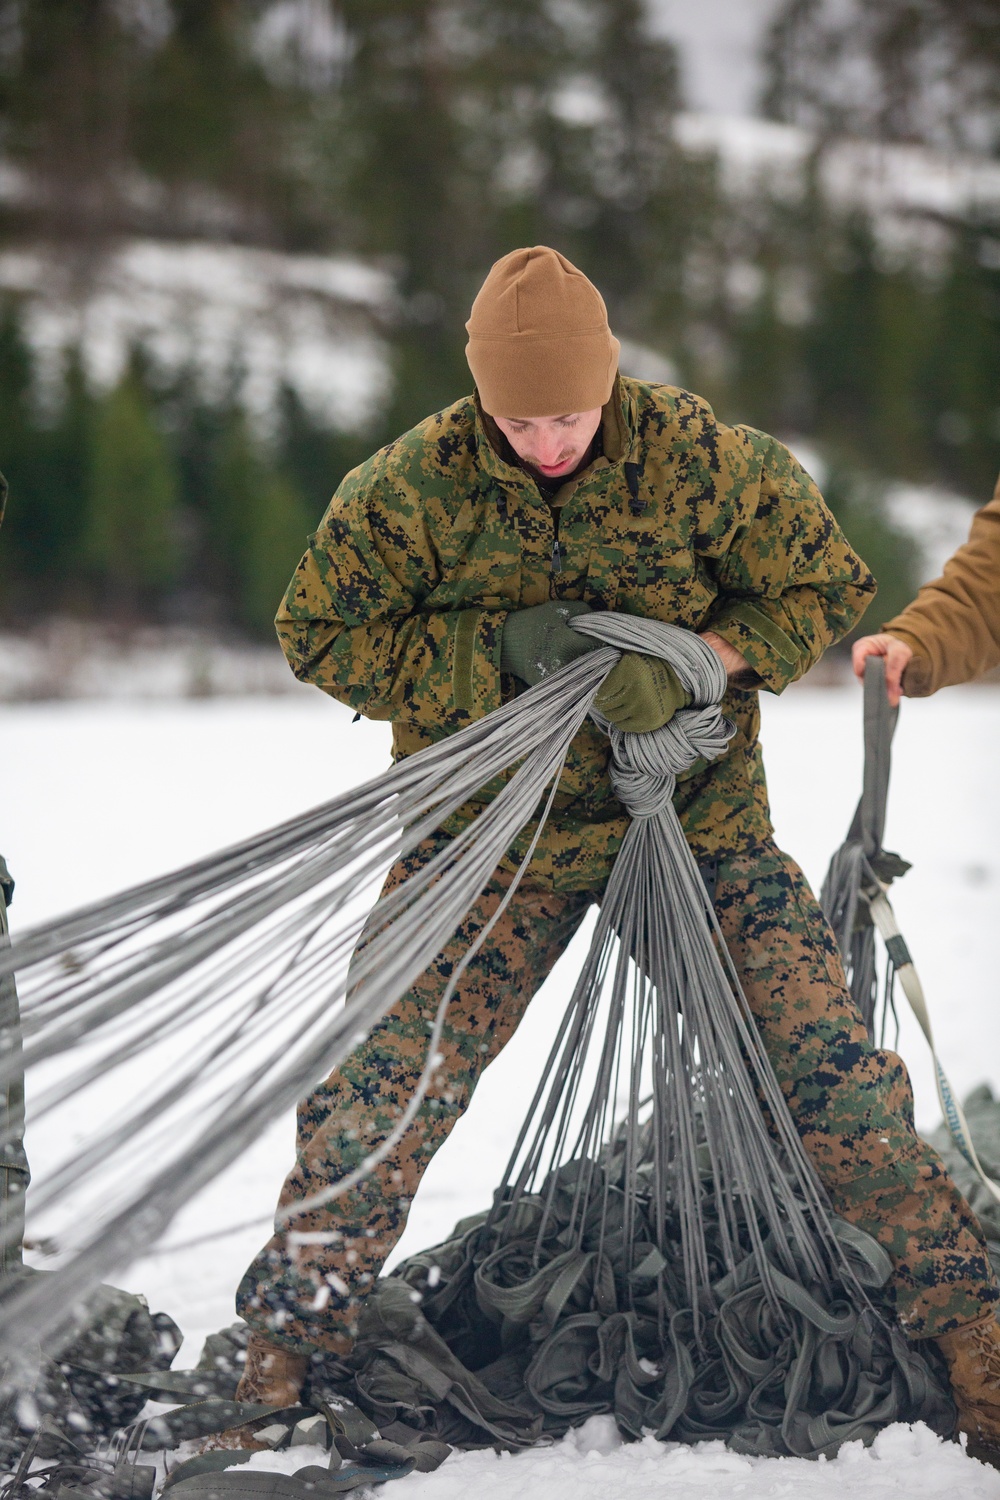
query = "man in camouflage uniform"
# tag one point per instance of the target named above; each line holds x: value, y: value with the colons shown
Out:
x: 444, y: 570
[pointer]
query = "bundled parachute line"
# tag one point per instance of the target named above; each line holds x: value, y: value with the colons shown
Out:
x: 658, y: 1010
x: 237, y: 968
x: 658, y: 1190
x: 255, y: 943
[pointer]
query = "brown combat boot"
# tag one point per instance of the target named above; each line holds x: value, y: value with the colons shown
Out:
x: 272, y: 1376
x: 972, y: 1354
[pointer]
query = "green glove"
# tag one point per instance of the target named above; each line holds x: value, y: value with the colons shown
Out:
x: 537, y: 641
x: 641, y: 693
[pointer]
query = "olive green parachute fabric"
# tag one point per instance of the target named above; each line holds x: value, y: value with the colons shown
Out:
x: 982, y: 1115
x: 504, y: 1344
x: 80, y: 1387
x: 482, y: 1341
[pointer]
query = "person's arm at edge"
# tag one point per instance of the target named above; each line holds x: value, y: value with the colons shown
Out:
x: 951, y: 631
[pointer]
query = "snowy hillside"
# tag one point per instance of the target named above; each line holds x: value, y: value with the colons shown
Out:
x: 894, y: 183
x: 253, y: 318
x: 99, y: 796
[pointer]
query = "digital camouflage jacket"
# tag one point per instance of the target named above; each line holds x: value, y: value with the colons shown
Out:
x: 398, y: 606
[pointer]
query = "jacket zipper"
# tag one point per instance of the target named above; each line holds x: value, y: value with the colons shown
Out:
x: 556, y: 552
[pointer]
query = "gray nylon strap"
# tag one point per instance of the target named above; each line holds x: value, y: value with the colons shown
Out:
x: 855, y: 900
x: 879, y: 728
x: 858, y: 864
x: 657, y: 1009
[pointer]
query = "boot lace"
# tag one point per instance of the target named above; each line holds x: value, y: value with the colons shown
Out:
x: 986, y: 1352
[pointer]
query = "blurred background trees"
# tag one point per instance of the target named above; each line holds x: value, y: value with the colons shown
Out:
x: 898, y: 70
x: 427, y: 137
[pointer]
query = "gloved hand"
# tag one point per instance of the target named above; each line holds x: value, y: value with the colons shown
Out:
x: 640, y: 693
x: 537, y: 641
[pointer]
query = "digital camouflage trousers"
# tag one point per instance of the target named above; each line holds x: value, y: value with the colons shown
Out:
x: 851, y: 1104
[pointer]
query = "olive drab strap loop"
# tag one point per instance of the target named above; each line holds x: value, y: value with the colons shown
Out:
x: 855, y: 900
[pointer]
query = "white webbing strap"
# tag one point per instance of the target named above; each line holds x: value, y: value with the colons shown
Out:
x: 885, y: 920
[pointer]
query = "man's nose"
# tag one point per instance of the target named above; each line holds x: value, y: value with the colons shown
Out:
x: 548, y: 448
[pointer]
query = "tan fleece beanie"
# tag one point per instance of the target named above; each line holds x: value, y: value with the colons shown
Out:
x: 539, y: 342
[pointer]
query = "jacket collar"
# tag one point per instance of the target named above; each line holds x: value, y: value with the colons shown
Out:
x: 619, y: 438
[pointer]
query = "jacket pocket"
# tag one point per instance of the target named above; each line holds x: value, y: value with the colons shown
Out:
x: 480, y: 563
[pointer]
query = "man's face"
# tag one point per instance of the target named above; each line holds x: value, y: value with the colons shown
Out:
x: 551, y: 447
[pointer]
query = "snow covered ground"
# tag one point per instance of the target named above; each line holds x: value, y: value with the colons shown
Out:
x: 99, y: 795
x: 62, y: 658
x: 594, y: 1464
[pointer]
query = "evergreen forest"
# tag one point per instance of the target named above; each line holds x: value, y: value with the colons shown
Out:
x: 428, y: 137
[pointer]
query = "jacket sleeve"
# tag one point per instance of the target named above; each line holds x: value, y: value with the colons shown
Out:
x: 356, y: 623
x: 790, y: 584
x: 953, y: 625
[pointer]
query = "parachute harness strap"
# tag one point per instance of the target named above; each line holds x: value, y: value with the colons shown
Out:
x: 856, y: 902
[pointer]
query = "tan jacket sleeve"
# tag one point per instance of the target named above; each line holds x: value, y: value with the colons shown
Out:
x: 953, y: 625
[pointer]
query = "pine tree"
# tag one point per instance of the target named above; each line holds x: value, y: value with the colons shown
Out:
x: 277, y: 531
x: 961, y: 387
x: 258, y: 527
x: 903, y: 70
x: 858, y: 502
x: 59, y: 509
x: 18, y: 456
x: 94, y: 93
x: 313, y: 455
x: 131, y: 542
x: 464, y: 128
